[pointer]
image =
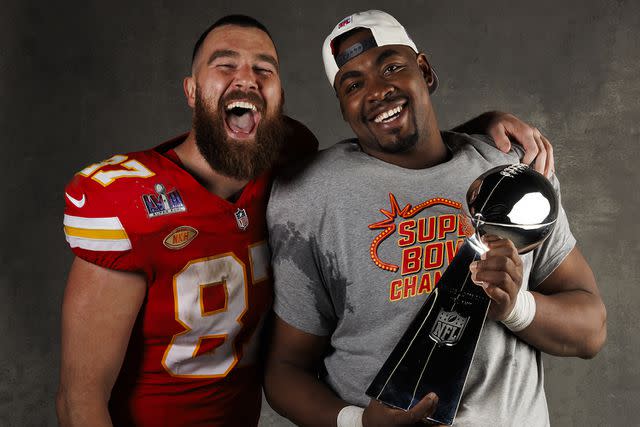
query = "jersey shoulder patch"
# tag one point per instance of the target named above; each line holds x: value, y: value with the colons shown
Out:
x: 100, y: 197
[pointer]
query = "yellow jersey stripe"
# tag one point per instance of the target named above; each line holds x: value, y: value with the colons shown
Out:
x: 95, y: 233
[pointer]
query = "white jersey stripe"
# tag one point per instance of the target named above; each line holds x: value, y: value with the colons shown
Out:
x: 89, y: 233
x: 107, y: 223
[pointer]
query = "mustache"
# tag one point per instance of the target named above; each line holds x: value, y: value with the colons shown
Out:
x: 238, y: 95
x: 366, y: 110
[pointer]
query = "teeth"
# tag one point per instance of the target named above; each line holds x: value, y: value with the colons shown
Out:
x: 241, y: 104
x: 384, y: 116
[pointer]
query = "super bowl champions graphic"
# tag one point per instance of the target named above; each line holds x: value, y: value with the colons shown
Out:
x: 428, y: 241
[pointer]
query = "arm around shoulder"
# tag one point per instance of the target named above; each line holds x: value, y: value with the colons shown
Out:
x: 98, y: 313
x: 299, y: 143
x: 505, y: 128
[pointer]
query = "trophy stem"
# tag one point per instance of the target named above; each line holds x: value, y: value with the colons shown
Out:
x: 476, y: 243
x: 436, y: 350
x: 479, y: 247
x: 424, y: 320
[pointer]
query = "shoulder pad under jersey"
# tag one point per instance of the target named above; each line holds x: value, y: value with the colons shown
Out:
x: 99, y: 203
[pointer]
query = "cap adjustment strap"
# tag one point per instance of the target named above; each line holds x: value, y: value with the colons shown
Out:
x: 355, y: 50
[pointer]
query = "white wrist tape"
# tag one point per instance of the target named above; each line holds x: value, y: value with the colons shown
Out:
x: 523, y: 312
x: 350, y: 416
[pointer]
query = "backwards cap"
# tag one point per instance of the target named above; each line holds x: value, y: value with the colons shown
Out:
x: 386, y: 30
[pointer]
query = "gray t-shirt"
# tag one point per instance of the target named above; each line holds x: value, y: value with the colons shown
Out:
x: 357, y: 245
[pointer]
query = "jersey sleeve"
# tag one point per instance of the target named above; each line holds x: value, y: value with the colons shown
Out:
x: 93, y: 225
x: 301, y: 296
x: 555, y: 249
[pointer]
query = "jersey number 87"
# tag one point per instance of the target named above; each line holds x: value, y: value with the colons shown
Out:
x: 184, y: 356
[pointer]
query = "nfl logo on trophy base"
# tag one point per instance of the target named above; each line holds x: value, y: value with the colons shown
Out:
x: 448, y: 328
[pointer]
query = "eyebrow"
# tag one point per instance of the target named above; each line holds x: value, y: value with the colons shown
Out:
x: 228, y: 53
x: 386, y: 54
x: 222, y: 53
x: 268, y: 58
x: 349, y: 75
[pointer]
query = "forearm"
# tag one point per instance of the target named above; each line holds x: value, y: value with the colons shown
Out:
x: 82, y: 409
x: 300, y: 396
x: 570, y: 323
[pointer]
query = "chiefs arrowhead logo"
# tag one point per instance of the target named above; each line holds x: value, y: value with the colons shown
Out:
x: 180, y: 237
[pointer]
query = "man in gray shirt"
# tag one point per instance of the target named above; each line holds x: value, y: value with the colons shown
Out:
x: 362, y: 235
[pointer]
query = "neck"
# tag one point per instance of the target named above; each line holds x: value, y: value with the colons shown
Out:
x: 218, y: 184
x: 430, y: 150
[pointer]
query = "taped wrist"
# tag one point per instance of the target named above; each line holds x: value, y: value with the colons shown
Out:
x: 350, y: 416
x: 523, y: 312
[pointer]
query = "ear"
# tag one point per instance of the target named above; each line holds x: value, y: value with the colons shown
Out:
x: 189, y: 87
x: 424, y: 66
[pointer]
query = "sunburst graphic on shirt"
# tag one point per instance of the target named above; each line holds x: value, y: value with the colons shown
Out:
x: 395, y: 214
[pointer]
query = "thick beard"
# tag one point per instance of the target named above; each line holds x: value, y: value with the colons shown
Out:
x: 236, y: 159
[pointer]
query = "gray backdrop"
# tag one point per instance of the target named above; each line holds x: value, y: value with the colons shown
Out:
x: 81, y: 82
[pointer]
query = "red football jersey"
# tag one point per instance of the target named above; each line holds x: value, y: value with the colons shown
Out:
x: 191, y: 360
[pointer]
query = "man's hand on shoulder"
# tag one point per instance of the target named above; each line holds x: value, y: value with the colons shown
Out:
x: 505, y: 128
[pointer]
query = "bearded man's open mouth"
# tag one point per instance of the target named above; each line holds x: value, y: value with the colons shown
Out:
x: 241, y: 118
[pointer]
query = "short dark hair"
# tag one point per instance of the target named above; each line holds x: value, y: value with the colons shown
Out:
x: 239, y: 20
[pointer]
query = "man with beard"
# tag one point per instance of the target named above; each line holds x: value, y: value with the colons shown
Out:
x: 166, y: 295
x: 361, y: 236
x: 170, y: 283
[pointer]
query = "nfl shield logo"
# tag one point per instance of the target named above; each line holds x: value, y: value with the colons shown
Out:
x: 242, y: 219
x: 448, y: 328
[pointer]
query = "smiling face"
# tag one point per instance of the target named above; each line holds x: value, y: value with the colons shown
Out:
x: 384, y: 96
x: 236, y: 94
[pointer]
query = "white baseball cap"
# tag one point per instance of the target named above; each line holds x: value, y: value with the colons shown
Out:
x: 386, y: 30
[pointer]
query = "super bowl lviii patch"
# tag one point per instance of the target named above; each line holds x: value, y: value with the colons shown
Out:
x: 163, y: 202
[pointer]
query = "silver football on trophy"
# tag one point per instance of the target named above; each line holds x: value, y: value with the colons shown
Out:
x: 514, y: 202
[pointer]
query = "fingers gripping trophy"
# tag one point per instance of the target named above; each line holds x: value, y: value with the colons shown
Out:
x: 436, y: 351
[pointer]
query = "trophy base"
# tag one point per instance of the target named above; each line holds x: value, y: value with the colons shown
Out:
x: 435, y: 352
